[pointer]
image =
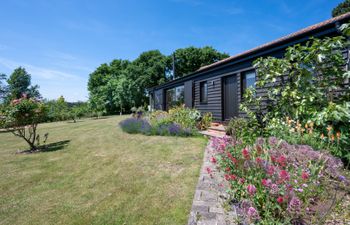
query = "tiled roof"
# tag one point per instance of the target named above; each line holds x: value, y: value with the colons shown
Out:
x: 280, y: 40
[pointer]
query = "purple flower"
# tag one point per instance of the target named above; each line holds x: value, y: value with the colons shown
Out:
x: 252, y: 213
x: 294, y: 206
x: 274, y: 189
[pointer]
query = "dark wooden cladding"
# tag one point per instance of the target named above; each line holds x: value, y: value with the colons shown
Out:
x: 189, y: 94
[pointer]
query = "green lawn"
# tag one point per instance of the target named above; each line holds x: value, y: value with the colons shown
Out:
x: 97, y: 174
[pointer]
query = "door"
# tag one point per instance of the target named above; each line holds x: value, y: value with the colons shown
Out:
x: 230, y: 101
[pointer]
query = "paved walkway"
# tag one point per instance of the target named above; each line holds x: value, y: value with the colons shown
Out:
x: 210, y: 195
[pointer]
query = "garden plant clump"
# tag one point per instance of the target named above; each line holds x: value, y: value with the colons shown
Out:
x: 22, y: 117
x: 274, y: 182
x: 179, y: 121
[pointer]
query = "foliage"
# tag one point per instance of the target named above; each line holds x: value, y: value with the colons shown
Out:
x: 120, y: 85
x: 242, y: 129
x: 275, y: 182
x: 180, y: 121
x: 341, y: 8
x: 22, y: 116
x: 205, y: 121
x: 185, y: 117
x: 307, y: 84
x: 19, y: 83
x: 190, y: 59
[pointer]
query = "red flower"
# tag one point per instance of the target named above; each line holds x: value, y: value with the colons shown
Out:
x: 213, y: 160
x: 273, y: 158
x: 304, y: 175
x: 233, y: 177
x: 230, y: 177
x: 241, y: 180
x: 258, y: 160
x: 280, y: 199
x: 227, y: 169
x: 282, y: 160
x: 245, y: 153
x: 284, y: 175
x: 251, y: 189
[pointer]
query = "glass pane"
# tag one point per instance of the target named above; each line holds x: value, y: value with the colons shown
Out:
x: 250, y: 79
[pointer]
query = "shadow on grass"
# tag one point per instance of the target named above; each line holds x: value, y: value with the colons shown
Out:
x: 52, y: 147
x: 77, y: 121
x: 56, y: 146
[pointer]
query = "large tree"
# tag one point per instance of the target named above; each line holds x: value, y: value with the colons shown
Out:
x: 146, y: 71
x: 188, y: 60
x: 341, y: 8
x: 122, y: 84
x: 19, y: 83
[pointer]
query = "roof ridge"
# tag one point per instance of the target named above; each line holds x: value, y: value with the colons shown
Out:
x: 284, y: 38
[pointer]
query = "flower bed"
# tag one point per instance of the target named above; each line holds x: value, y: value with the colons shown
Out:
x: 180, y: 121
x: 273, y: 182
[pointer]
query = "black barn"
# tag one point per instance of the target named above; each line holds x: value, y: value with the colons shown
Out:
x: 218, y: 88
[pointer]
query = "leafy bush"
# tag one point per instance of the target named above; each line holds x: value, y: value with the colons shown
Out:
x: 274, y: 182
x: 22, y: 117
x: 205, y: 121
x: 186, y: 117
x: 242, y: 129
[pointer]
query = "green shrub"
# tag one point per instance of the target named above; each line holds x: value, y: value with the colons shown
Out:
x: 205, y: 121
x: 242, y: 129
x: 186, y: 117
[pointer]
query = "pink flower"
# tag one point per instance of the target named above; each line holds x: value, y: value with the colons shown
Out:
x: 274, y: 189
x: 251, y: 189
x: 284, y: 175
x: 245, y: 153
x: 241, y: 180
x: 304, y: 175
x: 253, y: 213
x: 281, y: 160
x: 209, y: 170
x: 270, y: 170
x: 266, y: 182
x: 294, y: 205
x: 258, y: 160
x: 213, y: 160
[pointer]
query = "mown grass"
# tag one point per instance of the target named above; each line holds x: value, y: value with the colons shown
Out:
x: 97, y: 174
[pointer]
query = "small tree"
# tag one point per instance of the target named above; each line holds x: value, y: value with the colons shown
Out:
x: 21, y: 118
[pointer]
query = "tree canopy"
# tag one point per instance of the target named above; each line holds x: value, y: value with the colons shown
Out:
x: 341, y: 8
x: 117, y: 86
x: 19, y: 83
x: 188, y: 60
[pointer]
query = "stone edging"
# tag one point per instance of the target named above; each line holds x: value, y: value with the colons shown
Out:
x: 210, y: 194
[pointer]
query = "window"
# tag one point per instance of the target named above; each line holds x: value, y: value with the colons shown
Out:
x: 248, y: 80
x: 203, y: 86
x: 174, y: 97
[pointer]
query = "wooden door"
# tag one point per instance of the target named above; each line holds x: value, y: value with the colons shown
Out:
x: 230, y: 101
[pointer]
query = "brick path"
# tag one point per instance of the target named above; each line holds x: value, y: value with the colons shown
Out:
x: 210, y: 194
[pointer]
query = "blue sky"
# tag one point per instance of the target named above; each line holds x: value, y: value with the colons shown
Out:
x: 60, y: 42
